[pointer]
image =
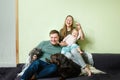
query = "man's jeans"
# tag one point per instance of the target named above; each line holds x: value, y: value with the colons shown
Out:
x: 40, y: 69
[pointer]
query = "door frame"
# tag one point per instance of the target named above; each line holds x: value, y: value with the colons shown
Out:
x: 17, y: 34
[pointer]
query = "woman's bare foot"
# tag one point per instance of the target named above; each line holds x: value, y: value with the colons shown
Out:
x: 88, y: 71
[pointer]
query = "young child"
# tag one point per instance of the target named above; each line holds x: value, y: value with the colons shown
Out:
x: 33, y: 55
x: 71, y: 43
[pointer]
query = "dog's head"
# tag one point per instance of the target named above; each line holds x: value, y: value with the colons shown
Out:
x: 66, y: 67
x: 58, y: 59
x: 37, y: 52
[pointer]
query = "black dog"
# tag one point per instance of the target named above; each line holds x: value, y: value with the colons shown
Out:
x: 66, y: 67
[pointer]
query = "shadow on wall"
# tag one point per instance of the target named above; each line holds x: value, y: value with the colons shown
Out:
x: 86, y: 43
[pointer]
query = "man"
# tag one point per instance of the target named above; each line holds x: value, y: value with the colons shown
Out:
x: 40, y: 68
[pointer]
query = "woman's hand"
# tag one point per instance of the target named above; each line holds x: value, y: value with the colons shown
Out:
x: 62, y: 43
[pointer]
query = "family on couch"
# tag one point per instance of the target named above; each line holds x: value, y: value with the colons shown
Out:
x: 39, y: 68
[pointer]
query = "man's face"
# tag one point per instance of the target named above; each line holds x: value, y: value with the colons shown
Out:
x: 54, y: 39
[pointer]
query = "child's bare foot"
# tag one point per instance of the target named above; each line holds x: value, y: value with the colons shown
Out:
x: 88, y: 71
x: 81, y: 52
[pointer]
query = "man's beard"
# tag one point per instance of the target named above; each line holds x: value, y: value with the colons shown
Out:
x: 55, y: 44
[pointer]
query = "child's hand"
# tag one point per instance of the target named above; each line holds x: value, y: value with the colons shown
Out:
x: 78, y: 25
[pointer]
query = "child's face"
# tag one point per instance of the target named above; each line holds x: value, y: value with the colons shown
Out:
x: 34, y: 57
x: 75, y: 33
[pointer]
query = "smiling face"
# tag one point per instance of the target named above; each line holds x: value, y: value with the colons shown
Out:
x: 54, y: 37
x: 75, y: 33
x: 69, y: 21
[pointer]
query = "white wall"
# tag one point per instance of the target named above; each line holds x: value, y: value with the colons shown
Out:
x: 7, y: 33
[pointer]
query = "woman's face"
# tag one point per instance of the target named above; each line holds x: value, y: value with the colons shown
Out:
x: 69, y: 21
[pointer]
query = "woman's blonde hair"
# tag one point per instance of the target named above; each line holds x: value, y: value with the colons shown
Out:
x: 63, y: 31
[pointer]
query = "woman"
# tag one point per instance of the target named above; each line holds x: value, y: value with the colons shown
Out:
x: 67, y: 29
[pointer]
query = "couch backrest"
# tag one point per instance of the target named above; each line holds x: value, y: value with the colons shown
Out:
x: 107, y: 61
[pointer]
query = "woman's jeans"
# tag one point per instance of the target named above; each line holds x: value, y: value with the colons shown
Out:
x: 81, y: 59
x: 40, y: 69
